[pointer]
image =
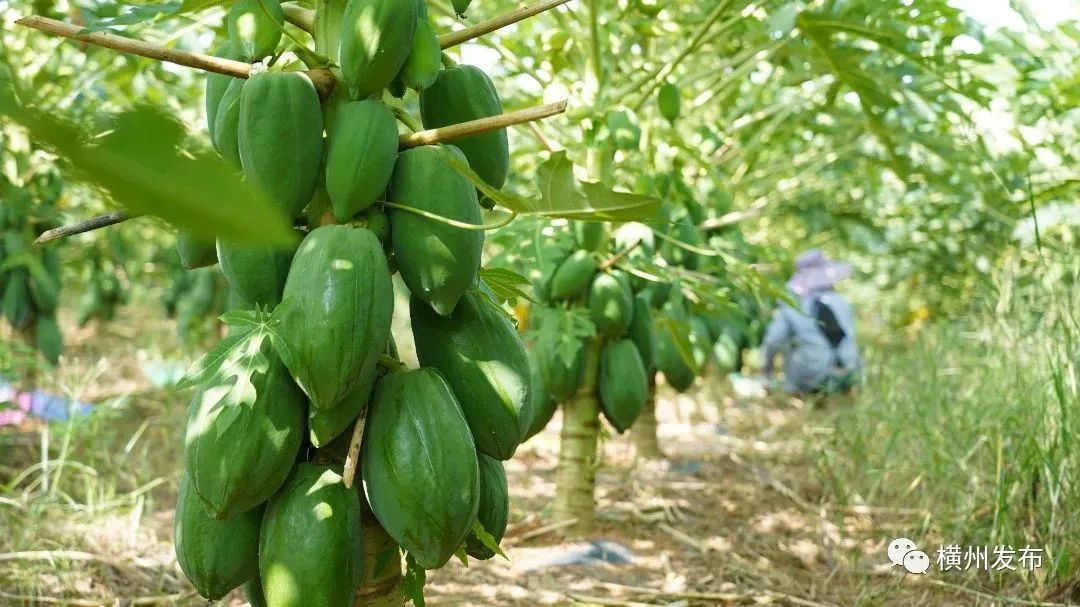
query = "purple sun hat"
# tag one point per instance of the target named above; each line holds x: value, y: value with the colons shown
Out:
x: 813, y: 272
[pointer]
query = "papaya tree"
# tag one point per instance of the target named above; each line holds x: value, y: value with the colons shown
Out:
x: 348, y: 146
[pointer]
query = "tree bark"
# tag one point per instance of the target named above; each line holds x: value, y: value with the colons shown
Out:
x: 381, y: 586
x: 643, y: 432
x: 575, y: 476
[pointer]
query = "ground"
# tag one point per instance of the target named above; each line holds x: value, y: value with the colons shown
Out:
x: 734, y: 515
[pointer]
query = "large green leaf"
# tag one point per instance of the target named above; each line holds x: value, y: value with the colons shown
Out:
x: 141, y: 164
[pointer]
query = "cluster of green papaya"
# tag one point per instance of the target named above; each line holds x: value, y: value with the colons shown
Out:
x: 30, y: 277
x: 104, y: 294
x: 622, y: 319
x: 264, y: 501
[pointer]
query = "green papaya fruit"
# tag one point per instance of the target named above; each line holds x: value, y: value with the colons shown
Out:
x: 311, y: 546
x: 700, y: 342
x: 48, y: 339
x: 256, y: 273
x: 438, y: 262
x: 361, y: 155
x: 44, y: 290
x: 195, y: 252
x: 420, y: 465
x: 378, y: 223
x: 376, y: 38
x: 217, y: 84
x: 255, y: 27
x: 238, y: 454
x: 327, y: 424
x: 624, y: 133
x: 460, y: 94
x: 686, y: 232
x: 460, y: 6
x: 543, y: 403
x: 573, y: 276
x: 650, y: 8
x: 280, y: 138
x: 669, y: 101
x: 623, y: 386
x: 590, y: 235
x: 225, y: 130
x: 493, y: 508
x: 643, y: 333
x: 17, y: 305
x: 422, y: 67
x: 561, y: 376
x: 215, y: 556
x: 479, y: 353
x: 670, y: 361
x: 253, y: 591
x: 611, y: 304
x: 338, y: 303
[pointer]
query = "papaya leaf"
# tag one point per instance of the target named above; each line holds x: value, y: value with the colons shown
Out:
x: 563, y: 329
x: 506, y: 285
x: 562, y: 195
x: 226, y: 371
x: 488, y: 540
x: 462, y: 555
x: 141, y: 165
x: 412, y: 585
x: 138, y: 13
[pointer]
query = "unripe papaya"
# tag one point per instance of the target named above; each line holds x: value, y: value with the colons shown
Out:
x: 310, y: 548
x: 215, y: 556
x: 573, y: 276
x: 378, y: 223
x: 460, y: 6
x: 643, y: 333
x: 422, y: 67
x: 562, y: 377
x: 48, y: 339
x: 225, y: 130
x: 668, y: 100
x: 479, y: 353
x: 44, y: 290
x: 494, y: 507
x: 623, y: 386
x: 376, y: 37
x: 611, y: 305
x: 671, y: 362
x: 17, y: 305
x: 361, y: 155
x: 217, y: 84
x: 543, y: 403
x: 280, y: 138
x: 700, y: 342
x: 253, y: 592
x: 590, y: 235
x: 327, y: 424
x: 338, y: 303
x: 438, y: 262
x: 464, y: 93
x: 195, y: 252
x: 238, y: 454
x: 255, y: 27
x: 420, y: 465
x: 256, y: 273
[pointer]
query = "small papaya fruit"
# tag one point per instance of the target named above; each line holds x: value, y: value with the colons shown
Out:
x: 216, y: 84
x: 420, y: 465
x: 48, y: 339
x: 327, y: 424
x: 337, y: 307
x: 623, y: 386
x: 460, y: 94
x: 561, y: 376
x: 438, y: 262
x: 479, y: 353
x: 493, y: 509
x: 543, y: 403
x: 611, y: 305
x: 422, y: 67
x: 280, y: 138
x: 363, y: 147
x: 256, y: 273
x: 255, y: 26
x: 669, y: 101
x: 573, y: 276
x: 215, y: 556
x: 195, y: 252
x: 225, y: 130
x: 590, y: 235
x: 643, y: 333
x: 677, y: 370
x: 315, y: 510
x: 376, y: 37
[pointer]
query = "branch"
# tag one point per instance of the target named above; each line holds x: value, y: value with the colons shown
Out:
x: 475, y: 31
x: 735, y: 217
x: 483, y: 125
x: 353, y: 456
x: 299, y: 16
x: 210, y: 63
x: 87, y: 225
x: 611, y: 261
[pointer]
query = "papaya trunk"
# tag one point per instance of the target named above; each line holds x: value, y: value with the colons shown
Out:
x: 381, y: 586
x: 575, y: 477
x: 643, y: 432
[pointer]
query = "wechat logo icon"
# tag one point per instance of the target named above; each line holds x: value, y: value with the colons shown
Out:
x: 904, y: 553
